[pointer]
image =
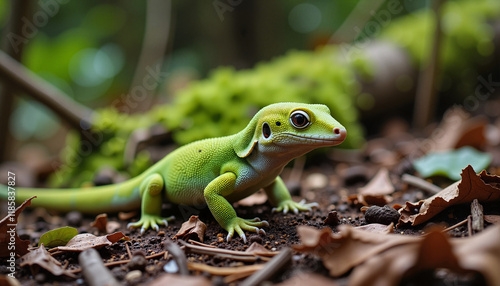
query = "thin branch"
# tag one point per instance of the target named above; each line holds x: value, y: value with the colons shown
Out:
x: 273, y: 266
x: 421, y: 184
x: 426, y: 89
x: 12, y: 72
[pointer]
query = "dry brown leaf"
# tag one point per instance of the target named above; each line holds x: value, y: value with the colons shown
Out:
x: 483, y: 187
x: 8, y: 231
x: 378, y: 227
x: 492, y: 219
x: 480, y: 253
x: 347, y: 249
x: 257, y: 248
x: 457, y: 129
x: 384, y: 259
x: 360, y: 200
x: 175, y: 279
x: 85, y: 241
x: 380, y: 184
x: 39, y: 257
x: 194, y: 229
x: 308, y: 279
x: 100, y: 222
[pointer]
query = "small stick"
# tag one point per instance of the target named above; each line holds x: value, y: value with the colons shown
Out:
x: 94, y: 271
x: 200, y: 243
x: 120, y: 262
x: 273, y: 266
x: 421, y: 184
x: 477, y: 216
x: 455, y: 225
x: 224, y: 271
x: 128, y: 251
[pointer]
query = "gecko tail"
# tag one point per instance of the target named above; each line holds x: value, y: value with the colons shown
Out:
x: 110, y: 198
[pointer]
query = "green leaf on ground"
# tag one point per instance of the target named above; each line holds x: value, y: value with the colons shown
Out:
x: 58, y: 236
x: 451, y: 163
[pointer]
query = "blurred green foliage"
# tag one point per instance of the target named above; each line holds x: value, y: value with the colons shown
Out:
x: 91, y: 56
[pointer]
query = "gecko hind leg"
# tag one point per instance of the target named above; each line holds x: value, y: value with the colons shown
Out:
x: 151, y: 202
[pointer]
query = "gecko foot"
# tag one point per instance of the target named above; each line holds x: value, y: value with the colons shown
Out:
x: 152, y: 221
x: 238, y: 225
x: 290, y: 205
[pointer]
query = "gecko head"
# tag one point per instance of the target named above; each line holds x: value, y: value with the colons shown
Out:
x: 294, y: 127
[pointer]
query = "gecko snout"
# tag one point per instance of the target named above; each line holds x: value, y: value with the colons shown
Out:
x: 340, y: 133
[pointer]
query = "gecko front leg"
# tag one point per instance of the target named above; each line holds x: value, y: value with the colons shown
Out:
x: 222, y: 210
x: 151, y: 202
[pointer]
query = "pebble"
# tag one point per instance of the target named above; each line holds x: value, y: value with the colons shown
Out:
x: 332, y: 219
x: 255, y: 238
x: 138, y: 262
x: 383, y: 215
x: 133, y: 275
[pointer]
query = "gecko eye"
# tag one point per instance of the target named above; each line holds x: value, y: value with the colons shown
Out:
x: 300, y: 119
x: 266, y: 130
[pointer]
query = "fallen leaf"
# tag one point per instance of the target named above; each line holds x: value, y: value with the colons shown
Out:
x: 449, y: 163
x: 479, y: 253
x: 380, y: 184
x: 385, y: 259
x: 257, y: 249
x: 492, y: 219
x: 191, y: 229
x: 100, y: 222
x: 457, y: 129
x: 39, y: 257
x: 484, y: 187
x: 175, y: 279
x: 57, y: 237
x: 369, y: 200
x: 350, y: 247
x: 378, y: 227
x: 85, y: 241
x: 8, y: 231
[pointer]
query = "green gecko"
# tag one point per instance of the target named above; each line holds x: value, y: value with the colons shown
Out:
x: 215, y: 171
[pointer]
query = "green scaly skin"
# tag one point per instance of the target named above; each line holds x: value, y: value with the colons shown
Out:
x: 216, y: 171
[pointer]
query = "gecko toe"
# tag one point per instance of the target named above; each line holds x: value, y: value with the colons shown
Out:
x: 264, y: 223
x: 244, y: 237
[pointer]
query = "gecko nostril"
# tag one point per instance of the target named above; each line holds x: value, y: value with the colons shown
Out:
x: 336, y: 130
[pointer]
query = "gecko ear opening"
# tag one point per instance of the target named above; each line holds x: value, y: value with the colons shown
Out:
x: 247, y: 139
x: 245, y: 152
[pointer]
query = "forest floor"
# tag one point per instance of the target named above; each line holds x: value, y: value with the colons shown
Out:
x: 332, y: 178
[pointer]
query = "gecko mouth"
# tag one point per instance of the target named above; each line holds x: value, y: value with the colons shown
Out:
x: 317, y: 140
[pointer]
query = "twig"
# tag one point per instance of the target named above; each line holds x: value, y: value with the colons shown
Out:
x: 155, y: 43
x: 426, y: 89
x: 455, y: 225
x: 421, y: 184
x: 19, y: 10
x: 25, y: 80
x: 224, y: 271
x: 477, y: 217
x: 179, y: 257
x: 273, y: 266
x: 120, y: 262
x: 94, y: 271
x: 128, y: 251
x: 226, y: 253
